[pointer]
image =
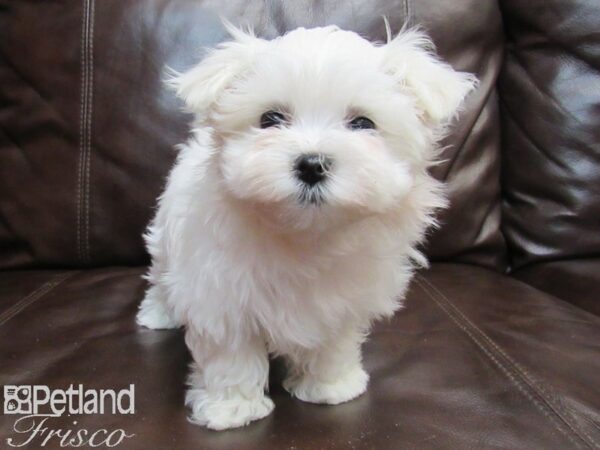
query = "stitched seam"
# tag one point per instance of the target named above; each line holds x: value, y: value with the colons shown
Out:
x: 546, y: 405
x: 85, y: 126
x: 498, y: 363
x: 89, y: 127
x: 550, y: 398
x: 85, y: 131
x: 33, y: 296
x: 82, y: 112
x: 543, y: 392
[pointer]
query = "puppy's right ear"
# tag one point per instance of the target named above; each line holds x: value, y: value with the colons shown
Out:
x: 201, y: 86
x: 439, y: 89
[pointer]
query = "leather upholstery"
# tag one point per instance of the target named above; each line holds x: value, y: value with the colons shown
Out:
x: 575, y: 281
x: 550, y: 92
x: 106, y: 152
x: 449, y: 371
x: 477, y: 359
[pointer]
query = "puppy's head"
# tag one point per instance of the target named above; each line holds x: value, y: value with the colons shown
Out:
x: 320, y: 127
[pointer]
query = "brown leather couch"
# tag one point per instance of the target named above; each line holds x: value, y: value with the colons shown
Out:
x: 499, y: 344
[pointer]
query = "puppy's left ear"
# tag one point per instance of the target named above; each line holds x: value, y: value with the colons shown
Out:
x: 439, y: 89
x: 202, y: 85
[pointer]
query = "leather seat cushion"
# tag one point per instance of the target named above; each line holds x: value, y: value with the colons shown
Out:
x: 474, y: 360
x: 573, y: 280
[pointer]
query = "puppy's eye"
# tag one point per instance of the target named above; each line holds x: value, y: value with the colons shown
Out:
x: 361, y: 123
x: 272, y: 119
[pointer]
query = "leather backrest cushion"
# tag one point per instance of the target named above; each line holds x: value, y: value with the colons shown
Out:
x: 550, y: 101
x: 87, y: 129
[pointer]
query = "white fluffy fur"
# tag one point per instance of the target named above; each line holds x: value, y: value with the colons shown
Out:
x: 248, y: 268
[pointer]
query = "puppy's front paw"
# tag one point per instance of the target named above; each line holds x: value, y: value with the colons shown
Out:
x: 220, y: 412
x: 310, y: 389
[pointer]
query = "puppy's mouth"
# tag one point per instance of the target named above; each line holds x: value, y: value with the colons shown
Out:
x: 311, y: 196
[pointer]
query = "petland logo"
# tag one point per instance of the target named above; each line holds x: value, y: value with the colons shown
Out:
x: 38, y: 405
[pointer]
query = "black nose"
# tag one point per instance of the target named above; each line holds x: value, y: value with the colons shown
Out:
x: 312, y: 168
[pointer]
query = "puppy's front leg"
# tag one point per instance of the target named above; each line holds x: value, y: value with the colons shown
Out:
x: 227, y: 382
x: 332, y: 373
x: 153, y: 312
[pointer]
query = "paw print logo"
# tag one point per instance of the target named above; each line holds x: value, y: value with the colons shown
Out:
x: 17, y: 399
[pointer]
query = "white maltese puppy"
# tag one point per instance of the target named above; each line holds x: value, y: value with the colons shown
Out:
x: 290, y: 220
